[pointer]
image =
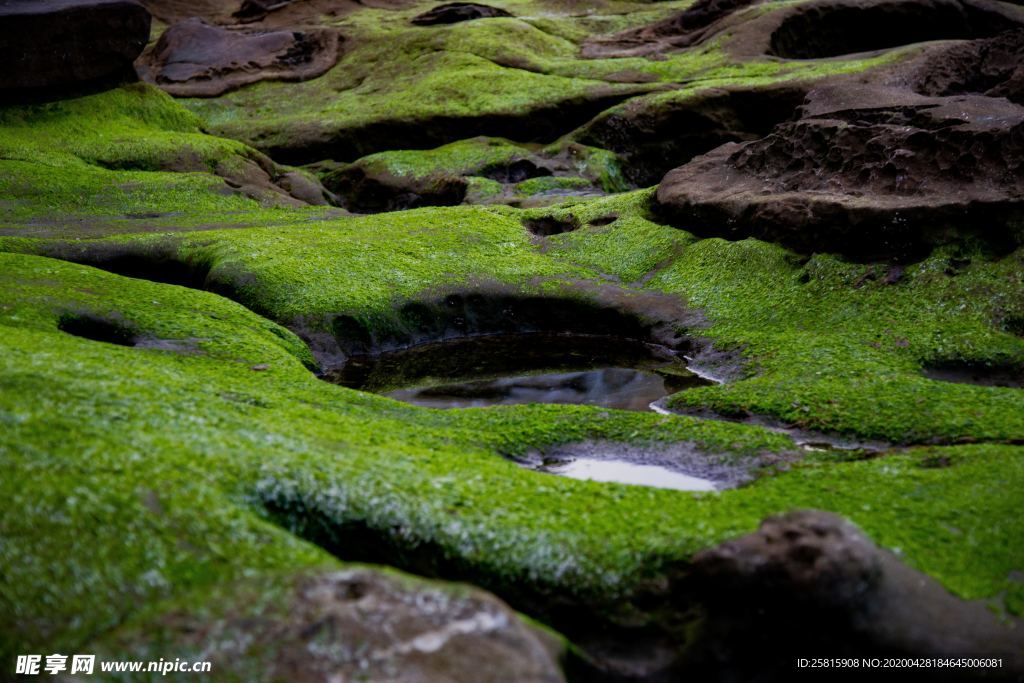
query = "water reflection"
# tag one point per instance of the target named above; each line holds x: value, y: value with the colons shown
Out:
x: 625, y: 472
x: 484, y: 371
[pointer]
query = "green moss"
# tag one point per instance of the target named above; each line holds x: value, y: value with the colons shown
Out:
x: 121, y: 155
x: 172, y: 461
x: 543, y: 184
x: 465, y: 157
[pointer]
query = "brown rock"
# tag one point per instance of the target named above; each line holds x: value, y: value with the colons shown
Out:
x: 869, y: 173
x: 359, y: 625
x: 195, y: 59
x: 62, y: 48
x: 810, y: 583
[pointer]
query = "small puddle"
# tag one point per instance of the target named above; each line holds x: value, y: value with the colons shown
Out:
x: 625, y: 472
x: 680, y: 466
x: 518, y: 369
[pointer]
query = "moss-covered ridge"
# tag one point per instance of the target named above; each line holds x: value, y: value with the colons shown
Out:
x: 830, y: 346
x: 400, y: 86
x: 173, y: 455
x: 128, y: 159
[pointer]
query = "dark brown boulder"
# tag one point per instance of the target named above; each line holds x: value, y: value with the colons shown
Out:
x: 60, y: 48
x: 869, y: 173
x: 811, y: 584
x: 454, y: 12
x: 195, y: 59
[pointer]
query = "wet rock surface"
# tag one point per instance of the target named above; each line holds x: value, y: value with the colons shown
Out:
x: 51, y: 49
x: 364, y: 624
x: 812, y: 581
x: 196, y: 59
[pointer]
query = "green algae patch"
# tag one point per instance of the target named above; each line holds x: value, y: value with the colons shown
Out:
x: 182, y: 460
x: 130, y: 155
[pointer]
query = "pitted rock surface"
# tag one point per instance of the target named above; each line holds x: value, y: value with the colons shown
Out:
x: 884, y: 181
x: 366, y: 625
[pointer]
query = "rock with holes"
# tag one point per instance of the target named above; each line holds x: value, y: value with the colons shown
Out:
x: 652, y: 135
x: 357, y: 625
x: 62, y: 48
x: 993, y: 67
x: 455, y: 12
x: 811, y: 582
x: 868, y: 172
x: 196, y: 59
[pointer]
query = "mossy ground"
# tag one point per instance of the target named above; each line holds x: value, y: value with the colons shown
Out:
x: 139, y: 478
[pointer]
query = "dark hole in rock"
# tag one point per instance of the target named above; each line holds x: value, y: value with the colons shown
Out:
x: 515, y: 171
x: 549, y: 225
x: 97, y: 328
x: 155, y: 267
x: 525, y: 368
x: 829, y: 30
x: 1011, y: 376
x: 603, y: 220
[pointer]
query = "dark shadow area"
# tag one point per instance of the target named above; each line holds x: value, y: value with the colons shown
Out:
x: 549, y: 225
x: 517, y: 369
x: 515, y: 171
x: 98, y: 328
x: 981, y: 374
x: 543, y: 125
x: 829, y: 30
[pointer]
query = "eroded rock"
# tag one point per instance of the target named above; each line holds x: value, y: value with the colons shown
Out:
x: 838, y: 27
x: 812, y: 582
x: 61, y: 48
x: 455, y: 12
x: 362, y: 625
x: 869, y: 173
x: 652, y: 135
x: 196, y: 59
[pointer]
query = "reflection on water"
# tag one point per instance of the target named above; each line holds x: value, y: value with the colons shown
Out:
x: 484, y: 371
x: 623, y: 388
x: 625, y: 472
